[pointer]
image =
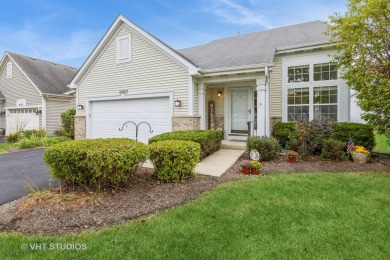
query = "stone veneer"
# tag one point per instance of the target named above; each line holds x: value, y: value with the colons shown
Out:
x: 79, y: 127
x: 180, y: 123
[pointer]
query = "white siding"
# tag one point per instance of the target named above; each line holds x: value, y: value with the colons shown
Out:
x: 54, y: 109
x: 18, y: 87
x: 356, y: 111
x: 149, y: 71
x: 276, y: 88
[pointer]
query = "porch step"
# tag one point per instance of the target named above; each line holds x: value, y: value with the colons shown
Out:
x: 234, y: 145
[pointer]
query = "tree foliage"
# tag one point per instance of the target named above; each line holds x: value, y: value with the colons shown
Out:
x: 362, y: 39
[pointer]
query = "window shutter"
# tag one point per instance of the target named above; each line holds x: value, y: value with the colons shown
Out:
x: 9, y: 70
x: 123, y: 48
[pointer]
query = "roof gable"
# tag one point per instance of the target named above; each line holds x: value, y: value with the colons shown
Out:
x: 120, y: 20
x: 47, y: 77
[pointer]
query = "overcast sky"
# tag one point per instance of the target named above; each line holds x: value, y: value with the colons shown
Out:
x: 66, y: 31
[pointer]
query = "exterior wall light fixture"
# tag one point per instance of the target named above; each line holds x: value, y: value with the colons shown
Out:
x: 80, y: 107
x: 177, y: 103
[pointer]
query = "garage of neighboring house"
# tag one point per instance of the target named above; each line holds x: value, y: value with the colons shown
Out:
x: 107, y: 117
x: 23, y: 118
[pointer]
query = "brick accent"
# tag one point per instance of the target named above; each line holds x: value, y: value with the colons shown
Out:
x: 273, y: 120
x: 185, y: 123
x: 79, y: 127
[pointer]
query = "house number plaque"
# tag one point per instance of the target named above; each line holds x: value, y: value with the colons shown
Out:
x: 123, y: 92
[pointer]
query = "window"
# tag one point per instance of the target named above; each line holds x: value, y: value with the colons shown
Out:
x: 9, y: 70
x: 325, y: 71
x: 123, y: 48
x: 298, y: 73
x: 325, y: 102
x: 298, y: 104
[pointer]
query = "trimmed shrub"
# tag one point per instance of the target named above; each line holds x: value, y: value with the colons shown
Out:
x: 283, y: 131
x: 174, y: 160
x: 67, y: 122
x: 361, y: 134
x: 97, y: 163
x: 36, y: 133
x: 268, y: 147
x: 333, y: 150
x: 209, y: 140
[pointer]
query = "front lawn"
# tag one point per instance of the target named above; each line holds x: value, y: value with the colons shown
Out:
x: 319, y: 215
x: 381, y: 144
x: 4, y: 147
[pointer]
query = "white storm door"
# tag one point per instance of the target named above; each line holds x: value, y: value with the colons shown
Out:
x: 240, y: 109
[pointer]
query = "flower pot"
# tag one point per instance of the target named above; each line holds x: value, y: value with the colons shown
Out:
x: 246, y: 170
x: 360, y: 157
x: 292, y: 159
x: 255, y: 171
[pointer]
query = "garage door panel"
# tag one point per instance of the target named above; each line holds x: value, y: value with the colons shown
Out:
x: 108, y: 116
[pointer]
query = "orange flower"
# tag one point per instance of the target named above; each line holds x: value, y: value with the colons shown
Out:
x: 360, y: 149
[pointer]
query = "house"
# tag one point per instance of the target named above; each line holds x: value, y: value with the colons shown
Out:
x: 356, y: 111
x: 34, y: 93
x: 265, y: 77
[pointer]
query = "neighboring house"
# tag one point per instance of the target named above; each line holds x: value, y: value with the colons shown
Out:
x: 34, y: 93
x: 356, y: 111
x: 276, y: 75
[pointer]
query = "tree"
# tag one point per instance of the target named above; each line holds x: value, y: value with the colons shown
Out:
x: 362, y: 40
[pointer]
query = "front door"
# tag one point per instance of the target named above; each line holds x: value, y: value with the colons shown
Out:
x: 240, y: 111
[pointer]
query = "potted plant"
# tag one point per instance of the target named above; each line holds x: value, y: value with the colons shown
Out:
x: 246, y: 167
x: 360, y: 154
x: 292, y: 156
x: 255, y: 167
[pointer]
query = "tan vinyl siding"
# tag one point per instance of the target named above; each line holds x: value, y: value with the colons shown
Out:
x: 276, y: 88
x: 18, y: 87
x: 149, y: 71
x: 54, y: 108
x: 196, y: 100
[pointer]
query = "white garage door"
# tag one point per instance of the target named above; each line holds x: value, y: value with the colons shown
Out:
x: 21, y: 119
x: 106, y: 117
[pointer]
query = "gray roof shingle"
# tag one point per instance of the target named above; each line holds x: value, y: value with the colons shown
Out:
x: 254, y: 48
x: 49, y: 77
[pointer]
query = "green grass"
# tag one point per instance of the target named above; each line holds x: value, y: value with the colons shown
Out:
x: 289, y: 216
x: 381, y: 144
x: 5, y: 146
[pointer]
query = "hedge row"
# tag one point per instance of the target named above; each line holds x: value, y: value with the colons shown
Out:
x: 361, y: 134
x: 209, y: 140
x: 97, y: 163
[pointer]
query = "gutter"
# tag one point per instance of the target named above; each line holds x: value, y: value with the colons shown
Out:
x: 236, y: 69
x: 304, y: 47
x: 48, y: 95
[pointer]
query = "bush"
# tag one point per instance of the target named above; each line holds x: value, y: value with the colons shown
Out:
x: 16, y: 137
x: 13, y: 138
x: 174, y: 160
x: 310, y: 135
x: 209, y: 140
x: 333, y: 150
x: 97, y: 163
x: 268, y: 147
x: 33, y: 141
x: 283, y: 132
x: 67, y: 121
x: 319, y: 130
x: 361, y: 134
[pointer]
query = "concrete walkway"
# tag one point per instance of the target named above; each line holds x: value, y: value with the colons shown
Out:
x: 219, y: 162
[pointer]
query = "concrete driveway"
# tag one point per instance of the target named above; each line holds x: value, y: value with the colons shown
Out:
x: 19, y: 170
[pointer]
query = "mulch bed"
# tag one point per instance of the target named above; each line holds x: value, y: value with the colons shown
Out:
x: 146, y: 197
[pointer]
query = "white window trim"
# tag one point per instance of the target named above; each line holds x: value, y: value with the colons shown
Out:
x: 118, y: 39
x: 9, y: 70
x: 297, y: 60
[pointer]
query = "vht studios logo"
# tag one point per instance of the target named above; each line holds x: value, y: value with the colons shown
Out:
x: 53, y: 246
